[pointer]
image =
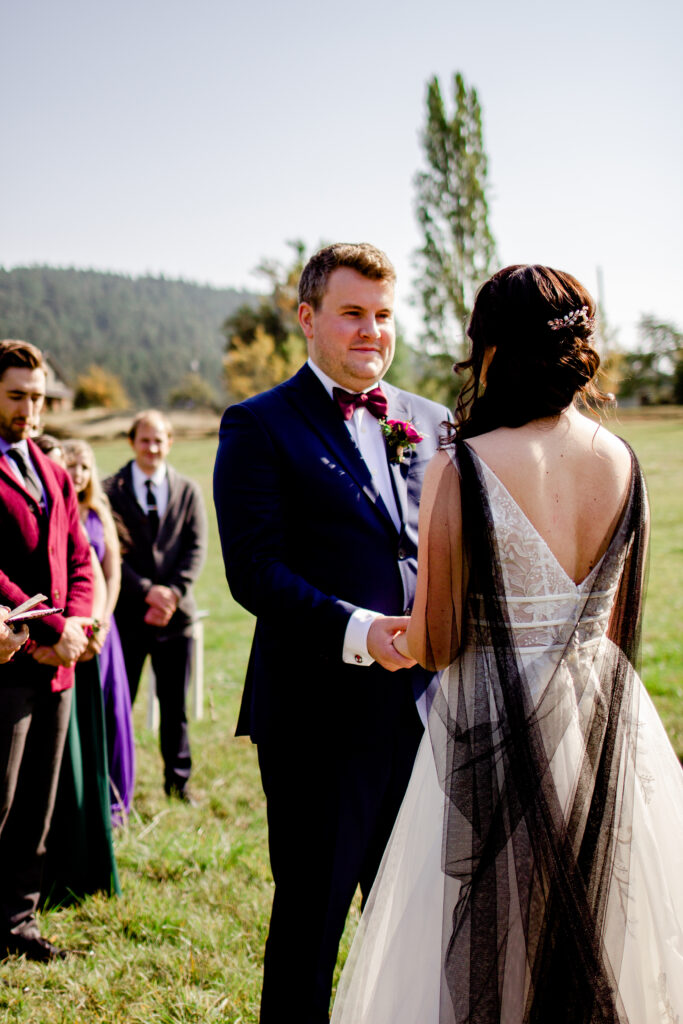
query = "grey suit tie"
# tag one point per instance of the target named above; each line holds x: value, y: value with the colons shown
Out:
x: 31, y: 482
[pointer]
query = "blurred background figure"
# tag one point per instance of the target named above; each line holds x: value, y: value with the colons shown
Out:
x: 162, y: 521
x: 50, y: 446
x: 99, y: 525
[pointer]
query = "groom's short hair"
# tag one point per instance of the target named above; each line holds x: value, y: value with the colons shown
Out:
x: 362, y: 257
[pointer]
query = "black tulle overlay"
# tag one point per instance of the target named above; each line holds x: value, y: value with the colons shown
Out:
x: 538, y: 861
x: 535, y: 871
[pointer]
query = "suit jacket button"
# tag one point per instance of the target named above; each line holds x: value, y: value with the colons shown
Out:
x: 358, y: 659
x: 401, y: 553
x: 56, y: 596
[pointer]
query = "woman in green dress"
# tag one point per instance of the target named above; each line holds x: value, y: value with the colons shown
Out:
x: 80, y: 852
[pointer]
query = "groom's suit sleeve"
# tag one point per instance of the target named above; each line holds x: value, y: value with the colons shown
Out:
x: 249, y: 489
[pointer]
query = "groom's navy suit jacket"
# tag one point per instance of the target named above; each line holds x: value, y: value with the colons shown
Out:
x: 306, y: 540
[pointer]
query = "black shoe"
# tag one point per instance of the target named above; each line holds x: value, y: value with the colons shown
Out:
x: 37, y: 948
x: 185, y: 795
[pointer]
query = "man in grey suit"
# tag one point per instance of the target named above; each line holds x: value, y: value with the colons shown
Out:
x: 162, y: 524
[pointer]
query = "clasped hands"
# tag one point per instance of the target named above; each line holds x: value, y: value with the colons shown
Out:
x: 387, y: 644
x: 80, y: 642
x: 162, y: 603
x: 72, y: 644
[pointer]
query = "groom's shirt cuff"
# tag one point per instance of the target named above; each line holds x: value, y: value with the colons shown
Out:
x: 355, y: 651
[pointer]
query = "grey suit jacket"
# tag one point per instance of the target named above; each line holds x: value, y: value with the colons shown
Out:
x: 174, y: 558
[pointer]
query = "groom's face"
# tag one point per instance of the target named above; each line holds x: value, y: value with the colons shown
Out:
x: 351, y: 336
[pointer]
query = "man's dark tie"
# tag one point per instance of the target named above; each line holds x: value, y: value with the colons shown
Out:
x: 152, y: 510
x: 374, y: 401
x: 31, y: 482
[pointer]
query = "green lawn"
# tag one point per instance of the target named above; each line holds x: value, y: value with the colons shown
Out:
x: 184, y: 942
x: 659, y: 446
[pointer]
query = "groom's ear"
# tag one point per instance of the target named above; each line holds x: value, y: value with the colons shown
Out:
x: 306, y: 319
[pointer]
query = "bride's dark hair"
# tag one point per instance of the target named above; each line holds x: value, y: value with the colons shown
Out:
x: 540, y: 365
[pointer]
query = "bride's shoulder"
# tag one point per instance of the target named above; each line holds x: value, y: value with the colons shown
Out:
x: 444, y: 461
x: 442, y: 475
x: 600, y: 441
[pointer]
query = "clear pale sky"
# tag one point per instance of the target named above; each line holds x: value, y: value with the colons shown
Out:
x: 194, y: 138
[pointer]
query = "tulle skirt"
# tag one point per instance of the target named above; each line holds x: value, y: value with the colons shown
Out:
x: 394, y: 971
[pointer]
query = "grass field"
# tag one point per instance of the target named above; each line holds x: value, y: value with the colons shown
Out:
x: 184, y: 942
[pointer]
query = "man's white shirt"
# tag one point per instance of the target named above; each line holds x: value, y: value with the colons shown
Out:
x: 367, y: 434
x: 159, y: 480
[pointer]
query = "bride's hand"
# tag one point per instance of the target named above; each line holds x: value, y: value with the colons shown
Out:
x: 384, y: 633
x: 400, y: 644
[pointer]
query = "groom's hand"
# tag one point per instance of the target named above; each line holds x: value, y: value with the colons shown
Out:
x: 380, y: 642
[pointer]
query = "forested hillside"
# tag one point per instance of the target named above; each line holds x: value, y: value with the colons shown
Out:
x: 151, y: 332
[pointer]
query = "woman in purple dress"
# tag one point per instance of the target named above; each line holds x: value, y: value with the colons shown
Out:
x: 99, y: 525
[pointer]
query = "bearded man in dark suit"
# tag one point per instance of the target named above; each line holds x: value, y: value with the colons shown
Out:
x: 162, y: 525
x: 317, y: 512
x: 44, y: 550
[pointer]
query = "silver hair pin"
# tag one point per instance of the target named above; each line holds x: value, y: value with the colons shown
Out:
x: 577, y: 316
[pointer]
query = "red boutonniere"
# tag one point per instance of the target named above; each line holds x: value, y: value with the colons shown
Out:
x: 400, y: 435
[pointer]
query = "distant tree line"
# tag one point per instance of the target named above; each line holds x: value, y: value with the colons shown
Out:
x: 162, y: 339
x: 159, y: 342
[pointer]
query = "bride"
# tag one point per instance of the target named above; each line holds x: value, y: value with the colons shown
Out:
x: 535, y: 872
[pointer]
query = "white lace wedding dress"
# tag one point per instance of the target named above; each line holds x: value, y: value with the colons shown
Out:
x: 416, y: 957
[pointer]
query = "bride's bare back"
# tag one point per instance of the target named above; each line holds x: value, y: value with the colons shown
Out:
x: 570, y: 477
x: 532, y: 354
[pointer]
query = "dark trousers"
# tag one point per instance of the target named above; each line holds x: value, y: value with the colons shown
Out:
x: 172, y: 663
x: 33, y: 725
x: 331, y: 809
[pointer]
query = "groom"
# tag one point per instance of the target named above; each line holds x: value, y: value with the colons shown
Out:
x: 319, y: 533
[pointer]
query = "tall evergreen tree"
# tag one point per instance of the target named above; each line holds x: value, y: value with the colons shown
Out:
x: 452, y: 210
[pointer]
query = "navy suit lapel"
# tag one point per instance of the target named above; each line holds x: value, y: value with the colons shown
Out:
x: 308, y: 396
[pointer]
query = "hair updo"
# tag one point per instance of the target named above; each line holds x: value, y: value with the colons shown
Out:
x: 541, y: 323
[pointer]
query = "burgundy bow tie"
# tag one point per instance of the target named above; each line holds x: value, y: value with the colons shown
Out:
x: 374, y: 401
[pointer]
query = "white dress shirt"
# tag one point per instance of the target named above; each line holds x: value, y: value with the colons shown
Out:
x: 367, y: 434
x: 160, y: 484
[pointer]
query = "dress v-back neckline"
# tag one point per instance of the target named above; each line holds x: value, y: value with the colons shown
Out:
x: 581, y: 583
